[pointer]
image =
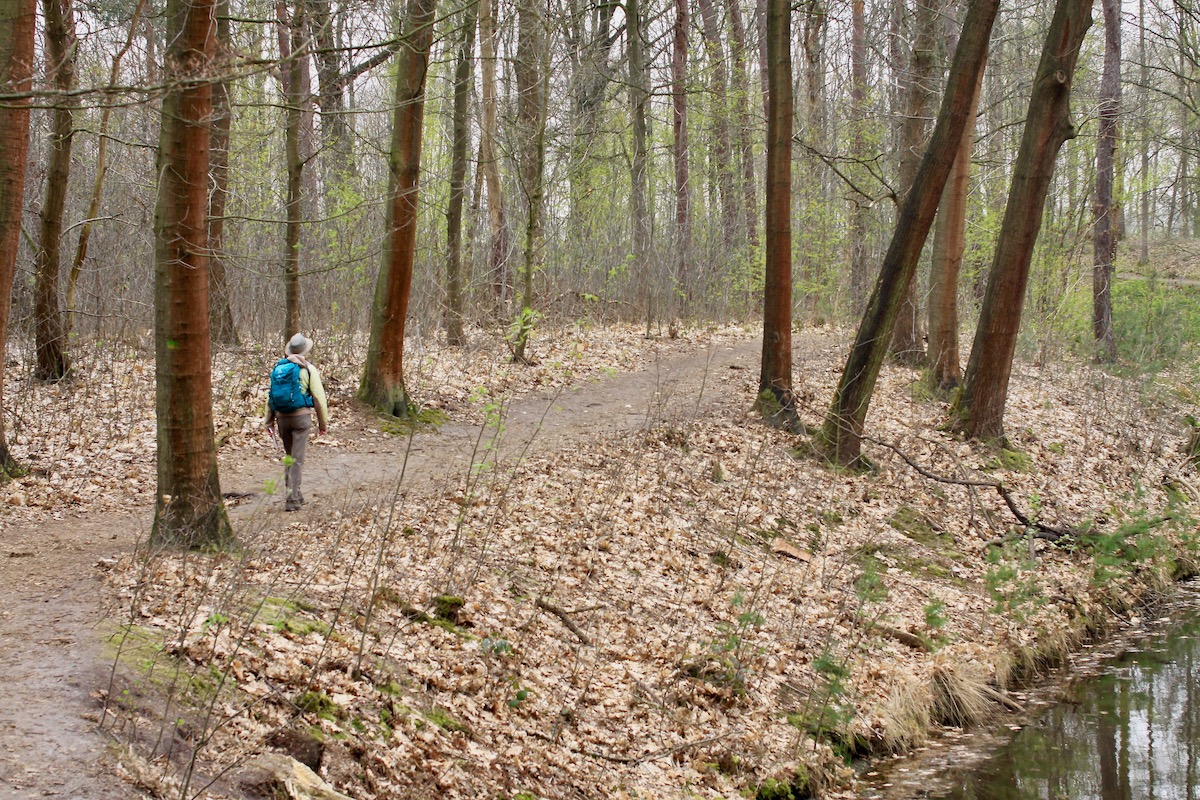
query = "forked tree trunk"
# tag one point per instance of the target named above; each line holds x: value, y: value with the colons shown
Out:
x: 980, y: 407
x: 679, y: 125
x: 776, y: 400
x: 220, y: 321
x: 455, y: 335
x: 382, y: 383
x: 188, y: 511
x: 949, y: 244
x: 16, y: 73
x: 50, y: 328
x: 840, y: 438
x: 1104, y: 240
x: 489, y: 163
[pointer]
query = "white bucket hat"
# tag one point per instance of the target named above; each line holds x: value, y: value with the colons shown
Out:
x: 299, y: 345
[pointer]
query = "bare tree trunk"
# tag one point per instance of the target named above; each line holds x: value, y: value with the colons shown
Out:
x: 840, y: 439
x: 292, y: 55
x: 489, y: 165
x: 531, y: 74
x: 859, y: 273
x: 455, y: 335
x: 85, y: 230
x: 337, y: 143
x: 980, y: 407
x: 53, y: 361
x: 679, y: 125
x: 639, y: 100
x: 221, y: 327
x: 711, y: 30
x: 382, y: 384
x: 776, y: 400
x: 1144, y: 92
x: 16, y: 74
x: 741, y: 112
x: 1104, y: 242
x: 188, y: 510
x: 949, y: 243
x: 907, y: 344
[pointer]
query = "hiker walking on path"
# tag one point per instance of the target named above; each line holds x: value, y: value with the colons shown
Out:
x: 296, y: 392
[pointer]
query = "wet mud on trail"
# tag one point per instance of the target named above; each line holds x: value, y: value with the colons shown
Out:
x: 54, y: 629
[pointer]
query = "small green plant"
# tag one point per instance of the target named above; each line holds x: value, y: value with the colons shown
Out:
x: 495, y: 646
x: 520, y: 696
x: 869, y: 585
x: 1012, y: 582
x: 935, y: 620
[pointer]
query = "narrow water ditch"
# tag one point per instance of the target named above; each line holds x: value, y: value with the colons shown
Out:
x: 1122, y: 724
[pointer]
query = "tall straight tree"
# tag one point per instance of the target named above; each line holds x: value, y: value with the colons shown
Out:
x: 16, y: 76
x: 713, y: 37
x: 531, y: 73
x: 188, y: 511
x: 907, y: 341
x: 53, y: 361
x: 859, y: 271
x: 1104, y: 240
x: 221, y: 325
x: 382, y: 383
x: 293, y: 76
x: 776, y: 398
x: 979, y: 410
x: 949, y: 244
x: 840, y: 438
x: 740, y: 84
x: 679, y: 117
x: 639, y: 102
x: 489, y: 162
x: 455, y: 335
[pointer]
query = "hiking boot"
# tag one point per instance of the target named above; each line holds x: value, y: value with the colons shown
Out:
x: 290, y: 506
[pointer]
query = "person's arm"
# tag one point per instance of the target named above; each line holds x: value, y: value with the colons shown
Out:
x: 320, y: 403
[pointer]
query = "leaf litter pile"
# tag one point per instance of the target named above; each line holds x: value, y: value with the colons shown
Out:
x: 693, y: 608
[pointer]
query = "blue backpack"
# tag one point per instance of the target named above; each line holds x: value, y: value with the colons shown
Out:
x: 287, y: 395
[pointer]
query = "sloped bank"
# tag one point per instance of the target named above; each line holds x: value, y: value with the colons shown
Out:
x: 683, y: 608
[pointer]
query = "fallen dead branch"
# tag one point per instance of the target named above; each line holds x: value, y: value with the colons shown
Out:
x: 546, y: 605
x: 1042, y: 530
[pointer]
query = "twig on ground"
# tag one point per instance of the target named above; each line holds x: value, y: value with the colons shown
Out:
x: 546, y: 605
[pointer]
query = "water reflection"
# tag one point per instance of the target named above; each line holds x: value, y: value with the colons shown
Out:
x: 1130, y: 734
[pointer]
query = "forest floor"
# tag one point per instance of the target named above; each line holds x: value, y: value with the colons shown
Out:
x: 598, y: 576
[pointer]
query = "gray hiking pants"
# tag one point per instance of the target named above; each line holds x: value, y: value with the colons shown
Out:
x: 293, y: 432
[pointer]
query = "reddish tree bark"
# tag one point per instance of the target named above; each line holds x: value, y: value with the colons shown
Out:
x: 382, y: 384
x: 16, y: 74
x: 980, y: 407
x: 776, y: 399
x: 840, y: 439
x: 949, y: 243
x: 188, y: 511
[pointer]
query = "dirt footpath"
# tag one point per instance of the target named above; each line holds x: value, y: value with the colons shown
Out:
x: 53, y: 625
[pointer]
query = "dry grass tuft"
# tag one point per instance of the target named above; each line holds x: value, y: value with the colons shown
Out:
x: 961, y: 693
